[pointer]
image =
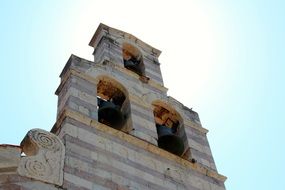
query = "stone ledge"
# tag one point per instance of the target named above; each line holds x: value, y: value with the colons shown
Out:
x: 10, y: 156
x: 194, y: 125
x: 137, y: 142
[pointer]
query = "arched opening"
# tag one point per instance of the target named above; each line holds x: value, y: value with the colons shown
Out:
x: 133, y: 59
x: 113, y: 104
x: 168, y: 125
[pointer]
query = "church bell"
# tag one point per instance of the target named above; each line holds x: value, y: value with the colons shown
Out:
x: 110, y: 114
x: 133, y: 64
x: 169, y: 141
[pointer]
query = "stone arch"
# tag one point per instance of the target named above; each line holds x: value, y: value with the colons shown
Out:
x: 133, y: 58
x: 113, y: 103
x: 170, y: 128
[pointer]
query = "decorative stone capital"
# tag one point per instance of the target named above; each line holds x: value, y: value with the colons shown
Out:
x: 44, y: 158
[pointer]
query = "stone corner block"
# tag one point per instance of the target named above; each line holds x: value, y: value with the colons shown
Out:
x: 44, y: 158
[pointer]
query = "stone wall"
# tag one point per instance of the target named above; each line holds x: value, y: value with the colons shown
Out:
x: 100, y: 157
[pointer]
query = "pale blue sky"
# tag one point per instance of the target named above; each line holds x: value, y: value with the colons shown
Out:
x: 223, y: 58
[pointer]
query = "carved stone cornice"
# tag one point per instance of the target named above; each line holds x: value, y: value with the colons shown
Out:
x: 44, y: 158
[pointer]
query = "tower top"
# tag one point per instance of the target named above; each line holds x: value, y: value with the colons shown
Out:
x: 115, y: 34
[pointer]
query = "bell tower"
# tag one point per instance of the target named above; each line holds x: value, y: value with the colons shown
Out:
x: 116, y: 129
x: 119, y: 127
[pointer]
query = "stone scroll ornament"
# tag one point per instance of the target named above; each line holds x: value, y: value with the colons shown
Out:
x: 44, y: 158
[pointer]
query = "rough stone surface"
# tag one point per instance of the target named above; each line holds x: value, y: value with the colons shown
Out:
x: 9, y: 158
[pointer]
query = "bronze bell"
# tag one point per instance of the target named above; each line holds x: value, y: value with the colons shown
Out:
x: 110, y: 114
x: 133, y: 64
x: 168, y: 141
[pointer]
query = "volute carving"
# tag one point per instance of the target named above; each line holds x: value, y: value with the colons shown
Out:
x: 44, y: 158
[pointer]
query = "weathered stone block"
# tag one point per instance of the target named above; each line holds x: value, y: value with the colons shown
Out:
x: 45, y: 157
x: 9, y: 158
